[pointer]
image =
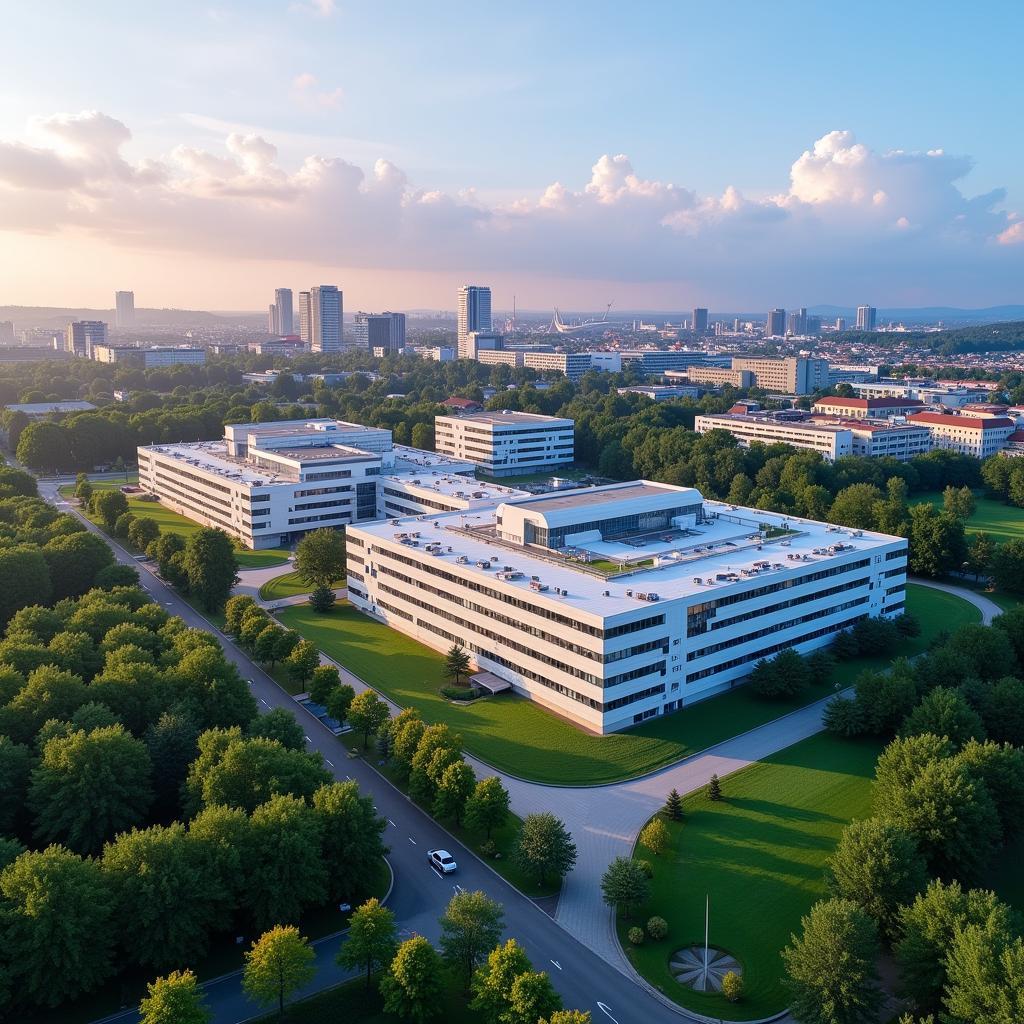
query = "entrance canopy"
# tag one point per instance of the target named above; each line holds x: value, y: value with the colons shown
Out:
x: 490, y: 682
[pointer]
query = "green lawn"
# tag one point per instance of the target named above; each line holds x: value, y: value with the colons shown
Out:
x: 759, y: 855
x: 289, y: 584
x: 172, y: 522
x: 1002, y: 522
x: 519, y: 737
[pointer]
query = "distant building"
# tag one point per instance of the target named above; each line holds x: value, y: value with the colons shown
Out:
x: 715, y: 376
x: 124, y: 310
x: 867, y: 408
x: 273, y: 323
x: 700, y: 320
x: 148, y: 358
x: 39, y: 410
x: 792, y: 375
x: 866, y: 316
x: 31, y: 353
x: 277, y: 347
x: 776, y: 325
x: 661, y: 392
x: 6, y: 332
x: 572, y: 364
x: 81, y: 335
x: 506, y: 443
x: 929, y: 392
x: 305, y: 319
x: 831, y: 442
x: 499, y: 356
x: 438, y: 353
x: 474, y: 314
x: 458, y: 405
x: 283, y: 305
x: 812, y: 325
x: 980, y: 436
x: 840, y: 323
x: 477, y: 341
x: 658, y: 360
x: 326, y: 305
x: 798, y: 322
x: 874, y: 439
x: 846, y: 373
x: 379, y: 330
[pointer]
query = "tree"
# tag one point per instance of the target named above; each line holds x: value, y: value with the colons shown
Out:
x: 568, y: 1017
x: 83, y: 489
x: 268, y: 643
x: 320, y: 558
x: 492, y: 983
x: 58, y: 911
x: 413, y: 988
x: 210, y: 567
x: 44, y: 446
x: 784, y: 676
x: 986, y: 977
x: 673, y: 809
x: 367, y: 713
x: 1000, y: 768
x: 302, y: 661
x: 407, y: 729
x: 958, y: 502
x: 854, y: 506
x: 831, y: 966
x: 927, y: 928
x: 174, y: 999
x: 124, y: 521
x: 624, y: 885
x: 90, y: 786
x: 714, y: 787
x: 937, y: 543
x: 15, y: 765
x: 532, y: 997
x: 235, y: 610
x: 732, y: 987
x: 24, y: 580
x: 339, y: 700
x: 324, y: 679
x: 656, y: 837
x: 877, y: 866
x: 456, y: 663
x: 980, y: 553
x: 1002, y: 711
x: 545, y: 847
x: 322, y: 600
x: 352, y: 845
x: 109, y: 506
x: 456, y: 786
x: 371, y: 941
x: 279, y: 964
x: 167, y: 894
x: 75, y: 561
x: 944, y: 712
x: 172, y: 745
x: 142, y: 532
x: 169, y: 551
x: 487, y: 808
x: 281, y: 725
x: 470, y: 926
x: 884, y: 699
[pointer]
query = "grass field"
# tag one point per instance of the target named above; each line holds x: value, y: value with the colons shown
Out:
x: 1002, y: 522
x: 519, y: 737
x: 172, y: 522
x: 759, y: 855
x: 289, y: 585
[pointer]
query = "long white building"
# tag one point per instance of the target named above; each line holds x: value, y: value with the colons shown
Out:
x: 506, y: 443
x: 616, y: 604
x: 831, y: 441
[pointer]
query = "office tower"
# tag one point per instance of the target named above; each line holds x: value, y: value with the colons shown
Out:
x: 124, y: 310
x: 776, y: 326
x: 736, y: 325
x: 326, y: 310
x: 840, y: 323
x: 812, y: 325
x: 305, y: 319
x: 81, y: 335
x: 474, y: 313
x: 700, y: 321
x: 379, y: 330
x: 866, y: 318
x: 273, y: 323
x: 6, y: 332
x: 283, y: 304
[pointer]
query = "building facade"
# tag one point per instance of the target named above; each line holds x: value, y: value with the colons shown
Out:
x: 285, y: 315
x: 572, y: 364
x: 867, y: 408
x: 659, y: 360
x: 714, y: 376
x: 831, y: 442
x: 970, y: 435
x: 793, y: 375
x: 147, y: 358
x: 474, y: 314
x: 124, y: 310
x: 699, y: 321
x: 866, y: 318
x: 305, y: 318
x: 82, y: 335
x: 506, y: 443
x: 775, y: 326
x: 326, y: 313
x: 612, y: 605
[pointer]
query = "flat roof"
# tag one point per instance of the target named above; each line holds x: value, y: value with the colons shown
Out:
x: 727, y: 544
x: 333, y: 452
x: 588, y: 497
x: 508, y: 417
x: 41, y: 408
x: 453, y: 484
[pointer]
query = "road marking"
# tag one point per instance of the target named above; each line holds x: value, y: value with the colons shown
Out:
x: 458, y: 888
x: 391, y: 823
x: 607, y: 1012
x: 328, y: 762
x: 308, y: 740
x: 557, y: 964
x: 264, y: 703
x: 411, y: 840
x: 348, y: 778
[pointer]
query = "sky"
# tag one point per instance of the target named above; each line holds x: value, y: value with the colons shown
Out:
x: 658, y: 155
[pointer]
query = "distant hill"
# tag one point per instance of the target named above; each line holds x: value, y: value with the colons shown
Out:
x: 929, y: 314
x: 57, y: 317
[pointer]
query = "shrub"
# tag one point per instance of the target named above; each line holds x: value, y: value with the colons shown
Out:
x: 488, y: 848
x: 732, y: 987
x: 646, y: 867
x: 636, y: 936
x: 459, y: 692
x: 657, y: 928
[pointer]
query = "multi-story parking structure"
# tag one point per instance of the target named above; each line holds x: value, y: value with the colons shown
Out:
x: 506, y: 443
x: 615, y: 604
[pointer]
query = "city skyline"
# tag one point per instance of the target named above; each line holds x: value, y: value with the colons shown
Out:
x: 581, y: 167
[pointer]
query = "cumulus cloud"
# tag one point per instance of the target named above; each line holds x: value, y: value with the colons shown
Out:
x: 305, y: 91
x: 850, y: 214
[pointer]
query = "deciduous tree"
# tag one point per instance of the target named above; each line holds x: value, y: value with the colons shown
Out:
x: 413, y: 988
x: 545, y: 848
x: 367, y: 713
x: 174, y: 999
x: 470, y: 926
x: 371, y: 941
x: 624, y: 885
x: 277, y: 966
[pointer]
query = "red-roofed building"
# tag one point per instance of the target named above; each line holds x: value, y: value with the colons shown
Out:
x: 980, y: 436
x: 867, y: 408
x: 462, y: 405
x: 1015, y: 444
x: 876, y: 439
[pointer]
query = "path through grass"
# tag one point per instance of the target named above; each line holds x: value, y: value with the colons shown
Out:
x: 289, y: 584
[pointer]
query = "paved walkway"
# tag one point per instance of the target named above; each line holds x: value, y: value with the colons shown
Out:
x: 988, y: 608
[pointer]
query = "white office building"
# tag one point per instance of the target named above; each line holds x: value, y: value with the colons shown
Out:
x: 831, y: 442
x: 379, y: 331
x: 866, y: 318
x: 305, y: 319
x: 616, y: 604
x: 474, y: 314
x: 980, y: 436
x: 326, y: 311
x: 506, y: 443
x: 572, y: 364
x: 659, y: 360
x: 285, y: 316
x: 124, y: 310
x: 157, y: 355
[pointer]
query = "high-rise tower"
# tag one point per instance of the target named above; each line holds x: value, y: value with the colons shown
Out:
x: 474, y: 314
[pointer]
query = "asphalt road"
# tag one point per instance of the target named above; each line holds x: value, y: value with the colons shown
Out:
x: 419, y: 897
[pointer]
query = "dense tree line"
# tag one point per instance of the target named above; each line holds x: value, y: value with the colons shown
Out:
x: 949, y: 792
x: 145, y: 806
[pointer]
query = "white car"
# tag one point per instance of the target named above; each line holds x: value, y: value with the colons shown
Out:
x: 442, y: 860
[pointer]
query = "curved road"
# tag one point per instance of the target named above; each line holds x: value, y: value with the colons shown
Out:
x: 419, y: 896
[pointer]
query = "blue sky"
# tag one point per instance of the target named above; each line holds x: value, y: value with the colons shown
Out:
x: 480, y: 106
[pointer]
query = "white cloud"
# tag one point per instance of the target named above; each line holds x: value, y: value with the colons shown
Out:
x: 852, y: 218
x: 322, y: 8
x: 305, y: 91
